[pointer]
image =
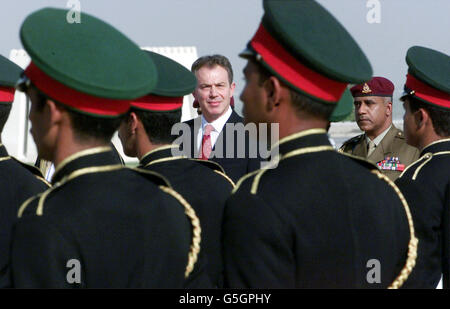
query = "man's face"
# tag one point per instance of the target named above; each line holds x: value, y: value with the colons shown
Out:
x: 43, y: 133
x: 253, y: 96
x: 409, y: 125
x: 372, y: 114
x: 213, y: 91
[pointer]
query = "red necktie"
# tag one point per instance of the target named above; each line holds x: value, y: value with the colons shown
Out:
x: 206, y: 142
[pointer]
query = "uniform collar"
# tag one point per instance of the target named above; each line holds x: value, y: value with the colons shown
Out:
x: 98, y: 156
x: 303, y: 139
x: 157, y: 154
x: 377, y: 140
x: 3, y: 152
x: 437, y: 146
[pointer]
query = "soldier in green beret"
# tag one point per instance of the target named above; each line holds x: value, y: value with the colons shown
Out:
x: 426, y: 182
x: 146, y: 133
x: 318, y: 218
x: 101, y: 225
x: 19, y: 181
x: 382, y: 143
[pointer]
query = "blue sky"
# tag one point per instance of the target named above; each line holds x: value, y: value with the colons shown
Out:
x: 225, y: 26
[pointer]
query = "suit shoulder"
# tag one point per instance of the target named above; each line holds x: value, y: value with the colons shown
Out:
x: 350, y: 144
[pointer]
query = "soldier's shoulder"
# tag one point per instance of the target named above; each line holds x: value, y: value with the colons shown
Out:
x: 32, y: 171
x: 360, y: 161
x: 349, y: 144
x: 215, y: 168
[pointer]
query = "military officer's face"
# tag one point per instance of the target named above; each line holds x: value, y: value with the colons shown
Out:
x: 372, y: 114
x: 44, y: 134
x: 253, y: 96
x: 409, y: 125
x: 213, y: 91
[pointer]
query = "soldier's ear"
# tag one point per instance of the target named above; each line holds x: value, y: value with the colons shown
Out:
x: 55, y: 110
x: 132, y: 123
x: 273, y: 89
x: 421, y: 118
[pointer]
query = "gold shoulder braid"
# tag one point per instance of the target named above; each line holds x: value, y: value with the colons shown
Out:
x: 413, y: 241
x: 196, y: 229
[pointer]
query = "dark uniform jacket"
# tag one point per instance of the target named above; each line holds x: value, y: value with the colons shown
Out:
x: 122, y: 229
x: 317, y: 220
x: 234, y: 167
x: 204, y: 185
x: 426, y: 186
x: 393, y: 145
x: 18, y: 182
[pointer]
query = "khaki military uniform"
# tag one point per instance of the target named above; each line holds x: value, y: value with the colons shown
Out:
x: 393, y: 145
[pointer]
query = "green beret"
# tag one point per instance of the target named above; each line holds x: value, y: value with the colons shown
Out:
x: 343, y: 108
x: 428, y: 76
x: 89, y: 62
x: 174, y: 82
x: 9, y: 75
x: 305, y: 46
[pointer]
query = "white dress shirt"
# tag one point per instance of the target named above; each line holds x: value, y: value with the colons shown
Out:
x: 218, y: 125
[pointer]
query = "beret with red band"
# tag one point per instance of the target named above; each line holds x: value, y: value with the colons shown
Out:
x: 89, y: 66
x: 377, y: 86
x: 9, y: 74
x: 174, y: 82
x: 428, y: 78
x: 301, y: 43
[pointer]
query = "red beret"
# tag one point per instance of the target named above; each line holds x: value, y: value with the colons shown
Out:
x: 377, y: 86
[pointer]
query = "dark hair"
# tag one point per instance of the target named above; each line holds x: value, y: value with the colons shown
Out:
x: 5, y: 109
x: 301, y: 102
x: 85, y: 126
x: 158, y: 125
x: 212, y: 61
x: 440, y: 117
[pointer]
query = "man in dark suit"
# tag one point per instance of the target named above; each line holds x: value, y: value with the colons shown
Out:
x: 18, y: 181
x: 146, y: 133
x: 214, y: 132
x: 426, y: 182
x: 319, y: 219
x: 101, y: 225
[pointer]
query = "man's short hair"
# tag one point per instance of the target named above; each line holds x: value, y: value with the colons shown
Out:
x: 85, y: 127
x: 158, y: 125
x: 5, y: 110
x: 440, y: 118
x: 301, y: 102
x: 212, y: 61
